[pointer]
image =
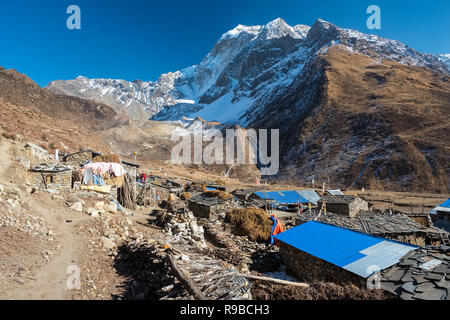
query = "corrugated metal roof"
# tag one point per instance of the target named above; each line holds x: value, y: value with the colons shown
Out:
x: 284, y: 197
x: 310, y: 195
x: 337, y: 192
x: 356, y: 252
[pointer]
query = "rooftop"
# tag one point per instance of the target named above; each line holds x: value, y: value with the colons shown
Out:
x: 370, y: 222
x: 338, y: 199
x: 423, y: 274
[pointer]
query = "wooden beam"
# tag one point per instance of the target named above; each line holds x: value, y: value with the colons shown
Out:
x: 290, y: 283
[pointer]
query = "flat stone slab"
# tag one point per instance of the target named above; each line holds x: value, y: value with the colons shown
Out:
x: 409, y: 287
x: 432, y: 294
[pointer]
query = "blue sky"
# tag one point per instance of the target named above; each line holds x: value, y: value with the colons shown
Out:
x: 141, y: 39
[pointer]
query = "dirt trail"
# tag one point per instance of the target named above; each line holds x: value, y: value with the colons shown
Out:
x: 49, y: 281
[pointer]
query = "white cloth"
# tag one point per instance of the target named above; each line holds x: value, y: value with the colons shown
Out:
x: 104, y: 167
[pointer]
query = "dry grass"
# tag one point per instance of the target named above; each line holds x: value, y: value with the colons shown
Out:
x: 221, y: 182
x: 218, y: 194
x: 251, y: 222
x: 185, y: 196
x: 107, y: 158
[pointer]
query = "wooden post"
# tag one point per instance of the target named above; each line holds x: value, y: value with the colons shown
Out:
x: 291, y: 283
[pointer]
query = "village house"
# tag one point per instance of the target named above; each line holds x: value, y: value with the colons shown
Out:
x: 51, y: 176
x: 79, y: 158
x: 344, y: 204
x: 317, y: 251
x: 211, y: 207
x: 440, y: 216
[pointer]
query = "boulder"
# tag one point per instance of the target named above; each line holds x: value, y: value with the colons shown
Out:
x: 99, y: 205
x: 77, y: 206
x: 108, y: 243
x: 110, y: 207
x: 71, y: 198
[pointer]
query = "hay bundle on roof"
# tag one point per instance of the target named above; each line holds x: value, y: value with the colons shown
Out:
x: 218, y: 194
x: 251, y: 222
x: 107, y: 158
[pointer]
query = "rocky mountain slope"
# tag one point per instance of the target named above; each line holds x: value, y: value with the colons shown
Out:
x: 247, y: 69
x: 57, y: 121
x: 352, y: 108
x: 366, y: 124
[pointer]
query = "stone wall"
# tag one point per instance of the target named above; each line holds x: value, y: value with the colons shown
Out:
x: 79, y: 158
x: 211, y: 210
x: 351, y: 208
x: 309, y: 268
x: 57, y: 180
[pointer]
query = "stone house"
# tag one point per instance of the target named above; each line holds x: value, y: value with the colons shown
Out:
x: 51, y: 176
x: 344, y: 204
x: 317, y: 251
x: 210, y: 207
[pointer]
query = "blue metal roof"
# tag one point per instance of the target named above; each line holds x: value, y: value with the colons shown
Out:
x: 446, y: 204
x: 354, y: 251
x: 284, y: 197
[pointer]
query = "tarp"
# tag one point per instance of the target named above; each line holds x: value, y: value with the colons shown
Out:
x: 105, y: 167
x: 101, y: 189
x: 310, y: 195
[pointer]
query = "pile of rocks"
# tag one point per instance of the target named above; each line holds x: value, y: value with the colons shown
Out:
x: 183, y: 226
x: 14, y: 215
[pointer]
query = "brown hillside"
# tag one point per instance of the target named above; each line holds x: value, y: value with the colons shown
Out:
x: 378, y: 124
x: 57, y: 121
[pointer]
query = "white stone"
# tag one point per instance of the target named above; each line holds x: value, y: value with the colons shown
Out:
x: 77, y: 206
x: 110, y: 207
x: 184, y: 258
x: 99, y: 205
x: 108, y: 243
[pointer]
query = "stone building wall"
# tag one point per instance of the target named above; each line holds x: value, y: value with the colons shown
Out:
x: 357, y: 206
x: 309, y: 268
x: 350, y: 208
x: 54, y: 180
x: 211, y: 210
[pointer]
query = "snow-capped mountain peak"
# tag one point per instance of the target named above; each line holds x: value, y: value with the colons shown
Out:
x: 234, y: 33
x: 248, y: 68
